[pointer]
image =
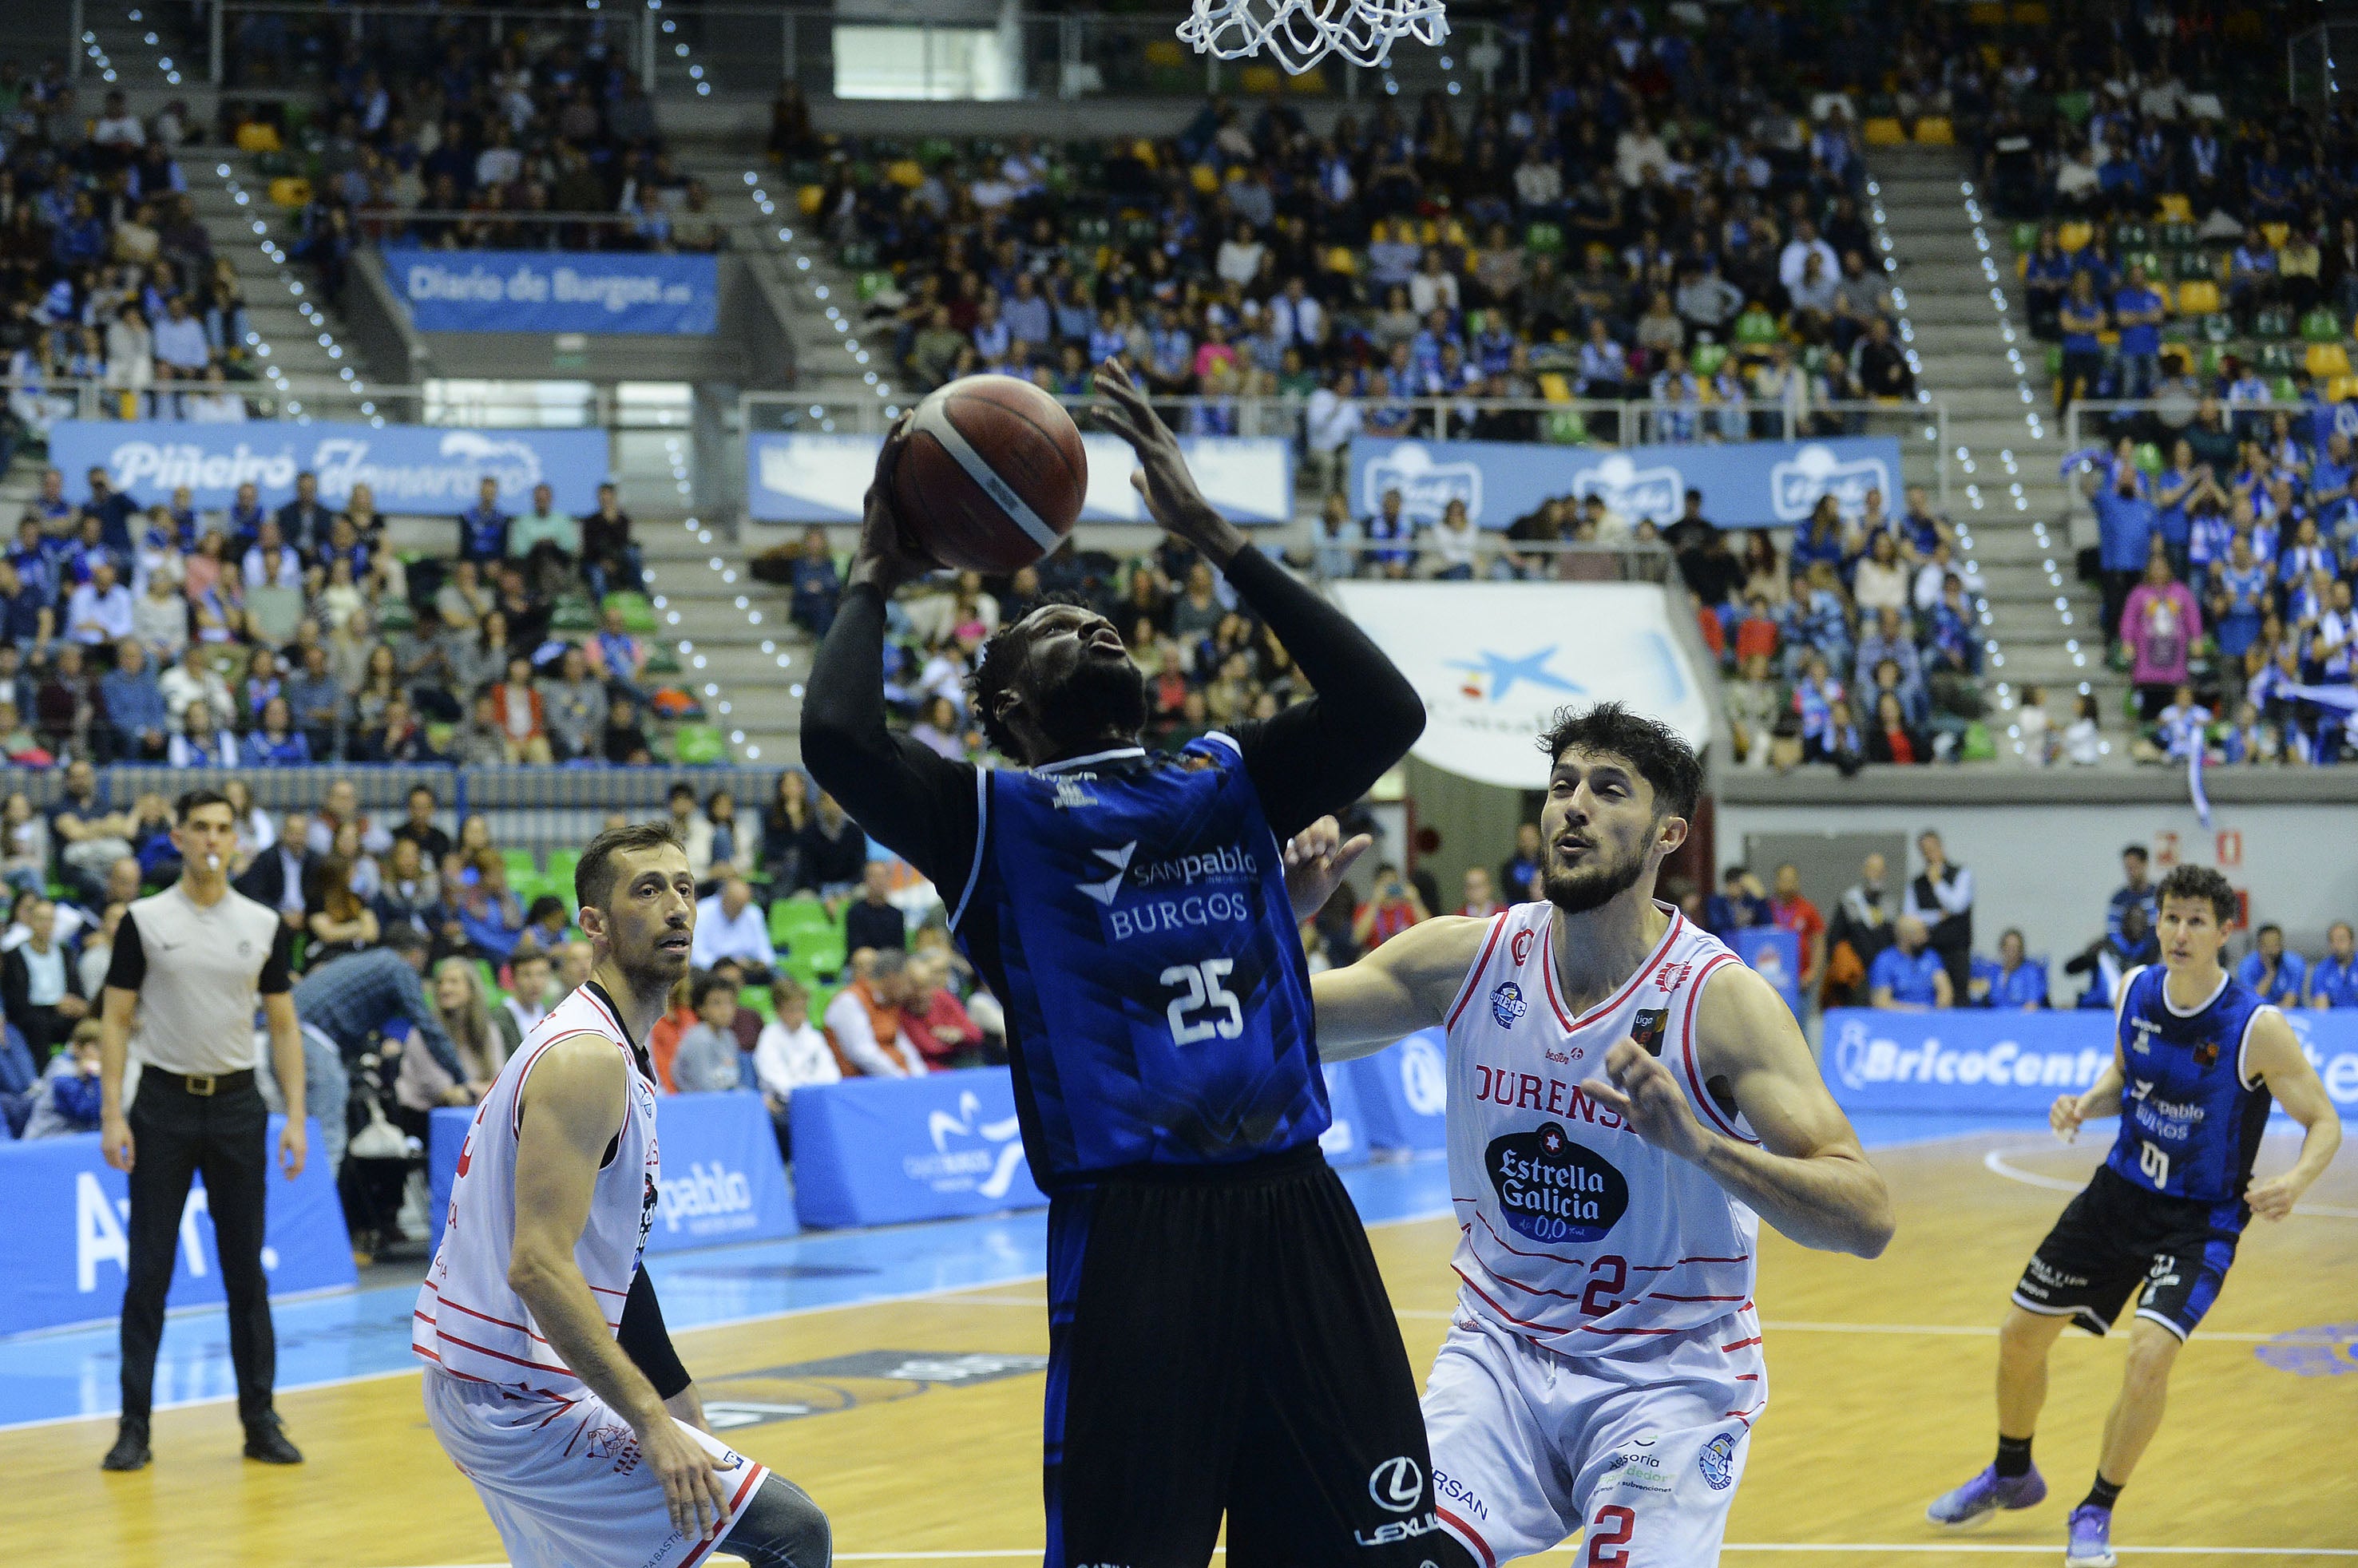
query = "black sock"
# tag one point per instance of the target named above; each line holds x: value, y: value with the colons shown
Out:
x: 2013, y: 1457
x: 2103, y: 1495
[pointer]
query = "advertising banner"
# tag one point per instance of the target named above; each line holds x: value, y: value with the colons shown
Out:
x: 556, y: 291
x: 1976, y: 1063
x: 415, y: 469
x: 721, y: 1179
x: 821, y: 479
x: 1345, y: 1141
x: 1403, y: 1092
x: 1745, y: 484
x: 1776, y: 957
x: 1493, y: 661
x: 70, y: 1242
x: 885, y: 1150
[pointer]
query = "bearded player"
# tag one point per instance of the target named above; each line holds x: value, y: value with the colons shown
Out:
x: 1625, y: 1098
x: 551, y: 1382
x: 2197, y: 1057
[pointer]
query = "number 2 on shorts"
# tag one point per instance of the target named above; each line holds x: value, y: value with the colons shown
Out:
x: 1605, y: 1546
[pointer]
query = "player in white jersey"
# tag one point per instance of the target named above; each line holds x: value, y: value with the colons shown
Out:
x: 551, y: 1382
x: 1625, y: 1097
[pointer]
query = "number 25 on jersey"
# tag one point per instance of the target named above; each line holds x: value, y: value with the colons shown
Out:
x: 1204, y: 1007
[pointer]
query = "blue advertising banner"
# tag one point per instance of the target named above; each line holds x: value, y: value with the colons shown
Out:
x: 1745, y: 484
x: 885, y: 1150
x: 69, y: 1244
x: 1403, y: 1092
x: 556, y: 291
x: 1976, y: 1063
x: 1345, y: 1141
x: 416, y: 469
x: 1776, y: 957
x: 721, y: 1180
x: 822, y: 479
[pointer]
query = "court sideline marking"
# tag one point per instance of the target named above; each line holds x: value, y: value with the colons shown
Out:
x: 2042, y: 1548
x: 1996, y: 1162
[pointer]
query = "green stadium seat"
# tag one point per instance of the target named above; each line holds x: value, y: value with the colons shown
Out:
x: 2025, y: 237
x: 2149, y: 458
x: 2277, y: 359
x: 662, y: 660
x: 1709, y: 358
x: 1543, y: 239
x: 521, y: 864
x: 699, y: 746
x: 1567, y: 428
x: 562, y: 864
x: 638, y: 616
x: 2129, y: 237
x: 2272, y: 323
x: 758, y: 999
x: 573, y: 613
x: 2218, y: 327
x: 2321, y: 326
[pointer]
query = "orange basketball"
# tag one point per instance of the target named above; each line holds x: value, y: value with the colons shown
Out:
x: 992, y: 475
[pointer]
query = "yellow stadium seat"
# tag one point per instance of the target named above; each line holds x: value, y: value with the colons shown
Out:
x: 1262, y: 78
x: 2109, y: 337
x: 2176, y: 208
x: 1429, y: 233
x: 2275, y: 234
x: 257, y: 138
x: 2074, y: 236
x: 1204, y: 179
x: 1884, y: 132
x: 907, y: 173
x: 2198, y: 297
x: 1554, y: 387
x: 1993, y: 57
x: 1312, y: 82
x: 807, y: 198
x: 1166, y: 52
x: 2341, y: 388
x: 291, y: 190
x: 2030, y: 14
x: 2022, y: 264
x: 1986, y: 14
x: 2327, y: 360
x: 1343, y: 261
x: 1934, y: 130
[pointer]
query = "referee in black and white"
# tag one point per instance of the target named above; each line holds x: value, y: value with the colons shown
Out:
x: 190, y: 960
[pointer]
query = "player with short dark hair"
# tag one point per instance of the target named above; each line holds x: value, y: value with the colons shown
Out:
x: 1220, y: 1338
x: 1626, y: 1101
x: 2197, y: 1057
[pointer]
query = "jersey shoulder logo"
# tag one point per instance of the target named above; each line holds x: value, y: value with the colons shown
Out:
x: 1507, y: 1004
x: 1647, y: 1027
x: 1071, y: 793
x: 2206, y: 1055
x: 1717, y: 1461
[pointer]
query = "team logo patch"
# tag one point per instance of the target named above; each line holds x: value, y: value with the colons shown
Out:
x: 1551, y: 1189
x: 1717, y: 1461
x: 1647, y: 1031
x: 1397, y: 1484
x: 1507, y: 1004
x: 1522, y: 947
x: 2207, y: 1053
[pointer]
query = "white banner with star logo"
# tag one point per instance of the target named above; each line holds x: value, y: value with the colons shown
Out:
x: 1494, y: 661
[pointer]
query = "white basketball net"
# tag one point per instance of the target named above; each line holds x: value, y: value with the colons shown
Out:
x: 1298, y: 34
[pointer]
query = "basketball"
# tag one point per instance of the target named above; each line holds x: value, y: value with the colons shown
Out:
x: 992, y: 476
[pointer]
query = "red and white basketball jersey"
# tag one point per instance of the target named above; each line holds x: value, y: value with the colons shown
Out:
x: 1576, y: 1232
x: 467, y: 1320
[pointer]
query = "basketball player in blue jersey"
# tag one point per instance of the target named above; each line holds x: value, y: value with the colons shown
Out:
x: 1220, y: 1341
x: 2197, y: 1057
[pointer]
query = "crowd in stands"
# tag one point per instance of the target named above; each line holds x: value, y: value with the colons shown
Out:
x: 262, y: 637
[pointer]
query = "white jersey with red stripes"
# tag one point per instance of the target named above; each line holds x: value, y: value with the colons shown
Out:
x: 466, y: 1319
x: 1576, y: 1233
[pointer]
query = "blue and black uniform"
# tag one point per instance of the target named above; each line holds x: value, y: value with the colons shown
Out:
x: 1220, y: 1341
x: 2166, y: 1208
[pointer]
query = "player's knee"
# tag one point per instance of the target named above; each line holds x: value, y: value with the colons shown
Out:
x: 2023, y: 1334
x: 2151, y: 1359
x: 781, y: 1528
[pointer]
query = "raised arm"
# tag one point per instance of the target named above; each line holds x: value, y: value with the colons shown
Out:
x: 2274, y: 1057
x: 573, y: 1103
x: 1403, y: 986
x: 1807, y: 1176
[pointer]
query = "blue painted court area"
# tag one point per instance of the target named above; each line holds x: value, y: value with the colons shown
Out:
x: 72, y: 1374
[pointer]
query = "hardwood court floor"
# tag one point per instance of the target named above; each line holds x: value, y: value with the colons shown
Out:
x: 917, y: 1427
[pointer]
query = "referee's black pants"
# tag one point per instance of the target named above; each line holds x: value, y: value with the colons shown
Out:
x: 177, y: 1135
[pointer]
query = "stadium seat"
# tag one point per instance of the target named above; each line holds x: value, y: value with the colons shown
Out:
x: 2074, y: 236
x: 2275, y: 234
x: 2148, y: 457
x: 2321, y: 326
x: 1543, y: 239
x: 254, y: 137
x: 2341, y: 389
x: 2025, y: 236
x: 2276, y: 358
x: 2218, y: 327
x: 1567, y: 428
x: 1260, y: 81
x: 1311, y: 84
x: 1708, y: 358
x: 1204, y: 179
x: 573, y: 613
x: 758, y: 999
x: 2075, y: 106
x: 2176, y: 209
x: 807, y: 199
x: 2198, y: 297
x: 1884, y: 132
x: 2272, y: 323
x: 907, y: 173
x: 562, y: 864
x: 638, y: 616
x: 2326, y: 360
x: 699, y: 746
x: 1935, y: 130
x: 291, y: 191
x: 2283, y: 390
x: 521, y: 864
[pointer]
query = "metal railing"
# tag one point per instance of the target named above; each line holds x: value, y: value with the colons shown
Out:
x: 265, y: 46
x: 1496, y: 558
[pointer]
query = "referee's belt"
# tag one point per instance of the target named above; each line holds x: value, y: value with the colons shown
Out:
x: 204, y: 1086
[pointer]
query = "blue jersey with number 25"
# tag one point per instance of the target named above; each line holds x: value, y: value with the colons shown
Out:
x: 2190, y: 1124
x: 1129, y: 911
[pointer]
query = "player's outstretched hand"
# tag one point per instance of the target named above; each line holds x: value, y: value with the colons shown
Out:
x: 2274, y: 1199
x: 1641, y: 1089
x: 885, y: 556
x: 1161, y: 477
x: 690, y: 1476
x: 2064, y: 1115
x: 1315, y: 859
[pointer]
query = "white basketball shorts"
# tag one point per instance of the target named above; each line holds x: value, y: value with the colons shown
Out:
x: 563, y: 1482
x: 1641, y: 1450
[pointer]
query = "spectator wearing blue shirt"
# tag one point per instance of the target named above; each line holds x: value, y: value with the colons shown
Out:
x: 483, y: 528
x: 1907, y: 976
x: 112, y: 509
x: 2014, y: 982
x: 2139, y: 310
x: 1740, y: 905
x: 814, y: 584
x: 2281, y: 978
x: 2083, y: 317
x: 2136, y: 889
x: 2332, y: 500
x: 2126, y: 523
x: 2333, y: 981
x: 136, y: 710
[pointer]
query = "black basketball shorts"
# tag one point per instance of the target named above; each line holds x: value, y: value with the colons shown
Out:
x: 1220, y: 1343
x: 2114, y: 1236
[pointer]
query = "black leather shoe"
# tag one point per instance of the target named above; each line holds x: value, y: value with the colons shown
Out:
x: 266, y: 1440
x: 130, y: 1450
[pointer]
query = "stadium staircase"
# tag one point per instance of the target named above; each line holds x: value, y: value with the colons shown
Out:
x: 2005, y: 443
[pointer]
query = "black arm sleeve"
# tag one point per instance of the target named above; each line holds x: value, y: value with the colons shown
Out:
x: 921, y: 805
x: 647, y: 1342
x: 127, y: 968
x: 1319, y: 756
x: 278, y: 970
